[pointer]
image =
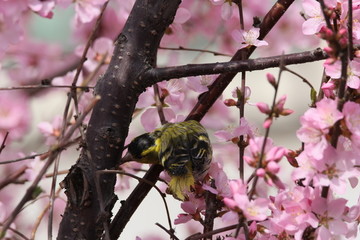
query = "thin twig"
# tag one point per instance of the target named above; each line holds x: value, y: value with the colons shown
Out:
x: 241, y: 97
x: 44, y: 155
x: 17, y: 232
x: 159, y: 104
x: 41, y: 216
x: 12, y: 177
x: 31, y: 87
x: 299, y: 76
x: 171, y: 233
x: 211, y: 233
x: 147, y: 182
x: 3, y: 142
x: 326, y: 16
x: 350, y: 31
x: 180, y: 48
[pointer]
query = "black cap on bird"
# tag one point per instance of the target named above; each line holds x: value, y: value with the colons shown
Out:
x: 183, y: 149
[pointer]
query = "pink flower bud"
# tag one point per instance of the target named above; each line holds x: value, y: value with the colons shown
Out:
x: 286, y: 112
x: 260, y: 172
x: 263, y: 107
x: 267, y: 123
x: 342, y: 32
x: 328, y: 50
x: 273, y: 167
x: 271, y: 79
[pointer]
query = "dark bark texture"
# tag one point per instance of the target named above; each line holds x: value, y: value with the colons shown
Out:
x: 91, y: 198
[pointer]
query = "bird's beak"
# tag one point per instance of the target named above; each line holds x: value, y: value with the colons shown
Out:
x: 127, y: 158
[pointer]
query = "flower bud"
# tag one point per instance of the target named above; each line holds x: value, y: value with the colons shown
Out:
x: 230, y: 102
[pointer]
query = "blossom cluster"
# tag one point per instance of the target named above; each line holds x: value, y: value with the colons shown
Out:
x: 305, y: 202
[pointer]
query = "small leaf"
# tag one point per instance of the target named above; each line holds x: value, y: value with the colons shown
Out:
x: 313, y: 95
x: 37, y: 191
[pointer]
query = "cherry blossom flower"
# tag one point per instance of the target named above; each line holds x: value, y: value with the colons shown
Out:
x: 194, y: 208
x: 315, y: 20
x: 249, y: 38
x: 233, y: 133
x: 315, y: 124
x: 333, y: 70
x: 222, y: 187
x: 240, y: 203
x: 87, y: 10
x: 43, y: 8
x: 51, y: 131
x: 150, y: 119
x: 291, y: 212
x: 330, y: 213
x: 14, y: 115
x: 33, y: 168
x: 102, y: 48
x: 226, y: 8
x: 200, y: 83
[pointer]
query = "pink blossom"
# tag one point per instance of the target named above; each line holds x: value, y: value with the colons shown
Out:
x: 51, y: 131
x: 31, y: 62
x: 291, y: 212
x: 226, y: 8
x: 249, y: 38
x: 43, y: 8
x: 87, y: 10
x: 351, y: 111
x: 222, y: 187
x: 271, y: 152
x: 14, y: 115
x: 233, y: 134
x: 11, y: 32
x: 200, y: 84
x: 330, y: 212
x: 315, y: 18
x: 239, y: 202
x: 101, y: 50
x: 151, y: 120
x: 33, y: 168
x: 333, y: 70
x: 173, y: 91
x: 193, y: 208
x: 315, y: 124
x: 328, y: 88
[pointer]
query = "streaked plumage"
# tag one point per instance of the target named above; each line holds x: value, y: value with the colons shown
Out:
x: 183, y: 149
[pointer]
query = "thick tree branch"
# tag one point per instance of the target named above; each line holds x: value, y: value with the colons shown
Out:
x: 91, y: 199
x: 160, y: 74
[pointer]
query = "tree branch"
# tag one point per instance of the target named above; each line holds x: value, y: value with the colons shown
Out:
x: 160, y: 74
x: 135, y: 52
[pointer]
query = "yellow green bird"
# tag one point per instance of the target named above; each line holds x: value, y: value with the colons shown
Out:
x: 183, y: 149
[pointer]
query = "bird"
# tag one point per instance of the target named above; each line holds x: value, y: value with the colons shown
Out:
x: 183, y: 149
